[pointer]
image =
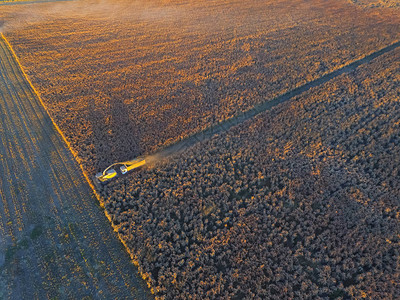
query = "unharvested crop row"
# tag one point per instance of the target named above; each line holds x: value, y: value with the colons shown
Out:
x: 301, y: 202
x: 123, y: 79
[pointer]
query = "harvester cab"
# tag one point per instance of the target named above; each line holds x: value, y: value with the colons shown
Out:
x: 109, y: 173
x: 106, y: 176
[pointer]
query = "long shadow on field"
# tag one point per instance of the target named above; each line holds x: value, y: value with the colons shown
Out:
x: 112, y: 126
x: 124, y: 129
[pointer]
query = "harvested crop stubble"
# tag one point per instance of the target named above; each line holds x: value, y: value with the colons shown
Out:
x: 122, y: 78
x: 301, y: 202
x: 55, y: 243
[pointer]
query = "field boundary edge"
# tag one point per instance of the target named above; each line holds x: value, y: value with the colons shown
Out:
x: 145, y: 276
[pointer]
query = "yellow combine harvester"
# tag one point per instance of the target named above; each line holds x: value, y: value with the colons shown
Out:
x: 127, y: 166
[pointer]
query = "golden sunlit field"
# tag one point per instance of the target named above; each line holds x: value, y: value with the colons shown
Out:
x: 122, y: 78
x: 300, y: 201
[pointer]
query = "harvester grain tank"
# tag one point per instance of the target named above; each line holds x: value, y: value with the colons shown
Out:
x: 106, y: 176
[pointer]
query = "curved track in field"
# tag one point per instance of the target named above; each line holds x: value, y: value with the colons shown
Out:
x: 267, y: 105
x: 55, y: 242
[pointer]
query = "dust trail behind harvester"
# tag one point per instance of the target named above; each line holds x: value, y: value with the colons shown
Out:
x: 223, y: 126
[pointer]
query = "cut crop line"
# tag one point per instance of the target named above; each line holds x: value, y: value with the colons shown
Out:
x: 267, y: 105
x: 54, y: 123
